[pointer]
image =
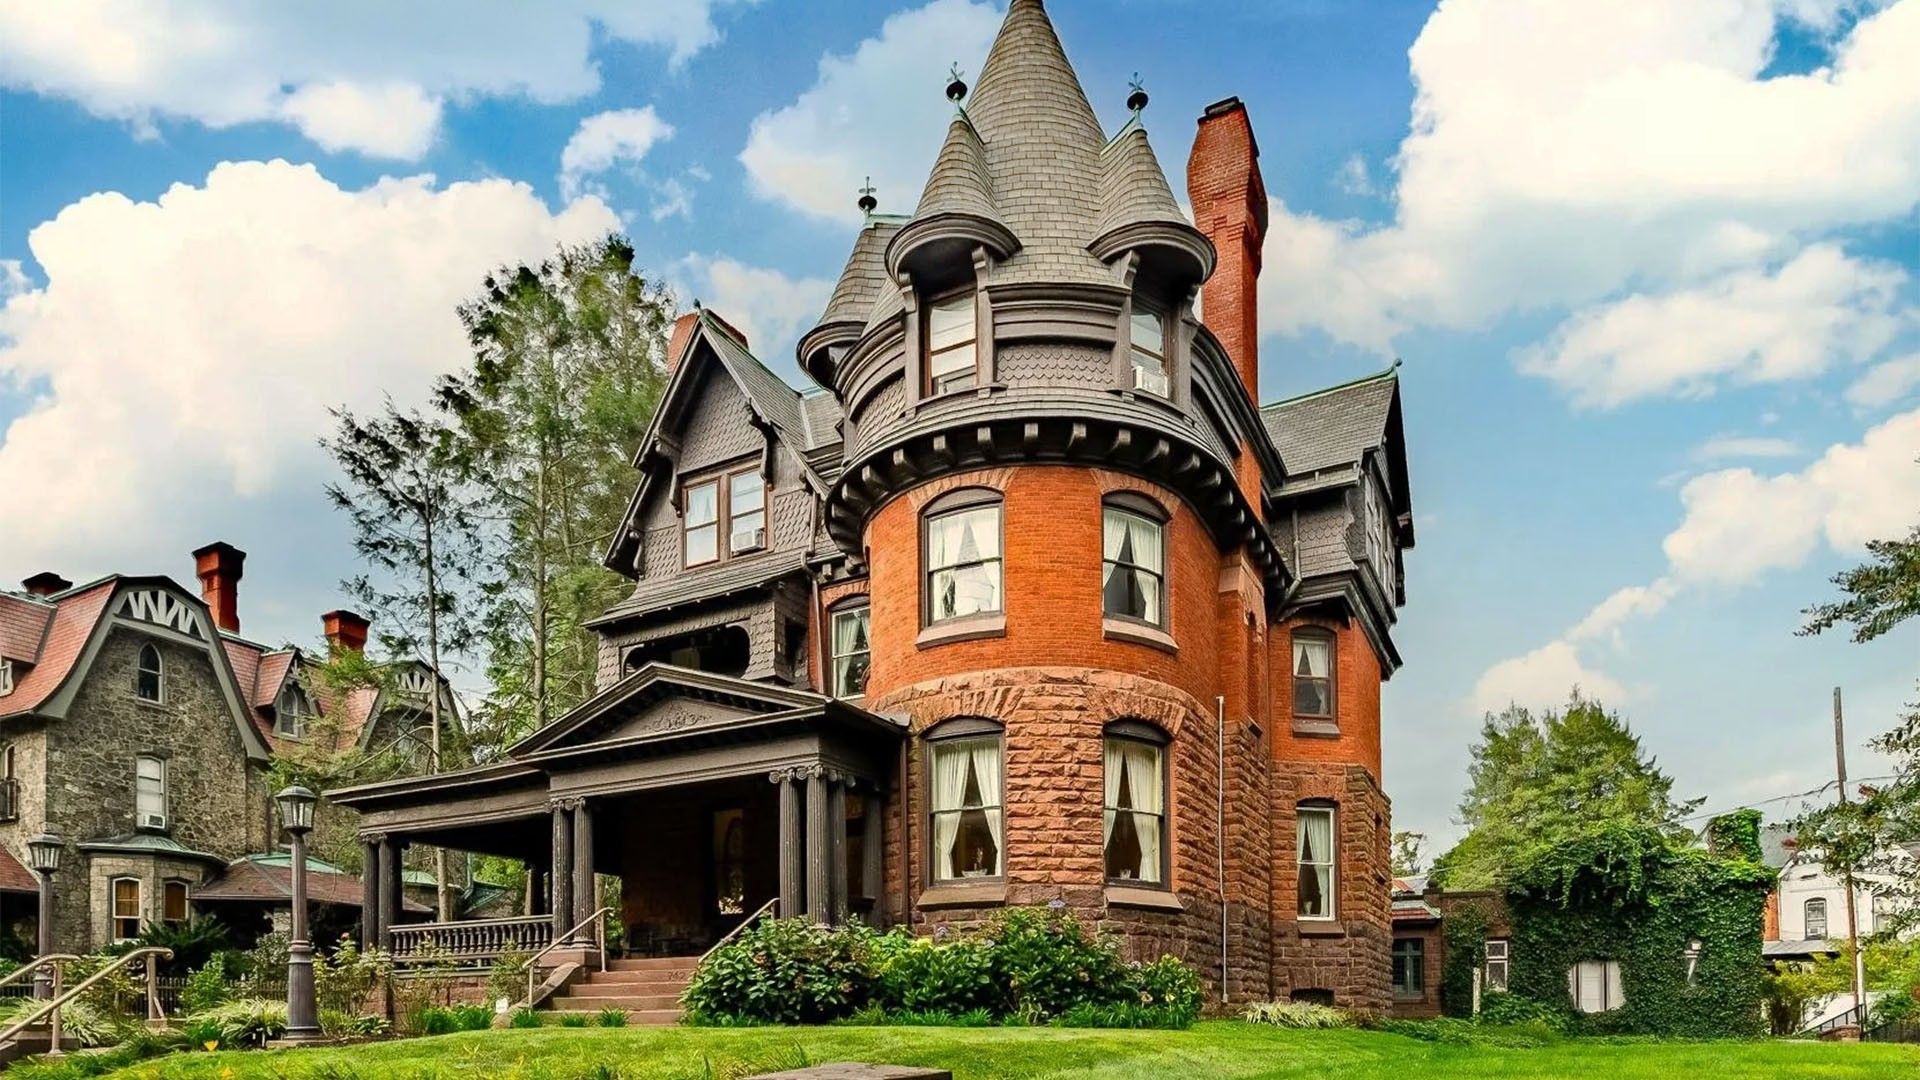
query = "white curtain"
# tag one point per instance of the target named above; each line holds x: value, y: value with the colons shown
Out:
x: 1316, y: 859
x: 850, y: 632
x: 949, y: 786
x: 1143, y: 768
x: 986, y: 774
x: 1115, y: 767
x: 971, y: 537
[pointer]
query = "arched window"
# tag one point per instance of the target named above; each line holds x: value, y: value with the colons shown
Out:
x: 953, y: 335
x: 1135, y: 771
x: 173, y: 902
x: 851, y: 650
x: 126, y: 908
x: 964, y: 782
x: 1133, y: 583
x: 148, y: 677
x: 292, y: 711
x: 1816, y: 918
x: 961, y: 556
x: 1315, y: 856
x: 1313, y: 683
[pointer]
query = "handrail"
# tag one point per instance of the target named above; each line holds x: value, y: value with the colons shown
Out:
x: 598, y: 919
x: 34, y: 965
x: 744, y: 923
x: 53, y: 1005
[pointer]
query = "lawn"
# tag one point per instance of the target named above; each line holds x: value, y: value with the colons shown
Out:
x: 1221, y: 1049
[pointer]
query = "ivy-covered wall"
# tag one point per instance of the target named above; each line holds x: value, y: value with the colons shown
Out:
x: 1630, y: 895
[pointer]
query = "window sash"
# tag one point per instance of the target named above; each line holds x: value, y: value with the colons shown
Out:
x: 126, y: 908
x: 957, y: 767
x: 1409, y: 967
x: 173, y: 896
x: 700, y: 521
x: 150, y: 787
x: 1816, y: 919
x: 852, y: 651
x: 1135, y: 778
x: 746, y: 511
x: 1312, y: 676
x: 1133, y: 566
x: 952, y: 343
x: 963, y: 563
x: 1315, y: 854
x: 147, y: 678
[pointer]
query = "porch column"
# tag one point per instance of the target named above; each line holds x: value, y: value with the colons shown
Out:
x: 562, y: 868
x: 585, y: 897
x: 836, y: 848
x: 370, y: 892
x: 873, y: 844
x: 536, y: 890
x: 791, y: 843
x: 819, y: 848
x: 389, y: 905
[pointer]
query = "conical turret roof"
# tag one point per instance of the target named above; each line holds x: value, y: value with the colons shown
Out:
x: 1133, y: 188
x: 959, y: 182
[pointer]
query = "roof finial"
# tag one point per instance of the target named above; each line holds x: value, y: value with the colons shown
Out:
x: 1137, y: 100
x: 956, y: 85
x: 867, y: 202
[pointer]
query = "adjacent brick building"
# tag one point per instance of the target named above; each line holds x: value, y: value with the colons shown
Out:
x: 1031, y: 600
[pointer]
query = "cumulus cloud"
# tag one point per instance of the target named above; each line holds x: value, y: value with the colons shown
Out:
x: 877, y: 111
x: 366, y: 77
x: 604, y: 140
x: 1750, y: 326
x: 217, y: 323
x: 1730, y: 447
x: 772, y: 309
x: 1559, y: 154
x: 1887, y: 383
x: 1541, y: 679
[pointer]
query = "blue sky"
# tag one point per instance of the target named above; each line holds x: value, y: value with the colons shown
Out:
x: 1650, y: 271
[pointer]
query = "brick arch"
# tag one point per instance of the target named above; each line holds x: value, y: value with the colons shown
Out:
x: 992, y: 479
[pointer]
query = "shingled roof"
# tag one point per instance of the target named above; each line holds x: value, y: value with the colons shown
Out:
x: 959, y: 182
x: 1332, y: 427
x: 865, y: 276
x: 73, y: 617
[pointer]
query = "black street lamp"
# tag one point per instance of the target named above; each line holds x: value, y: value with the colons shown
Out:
x: 43, y: 856
x: 296, y: 816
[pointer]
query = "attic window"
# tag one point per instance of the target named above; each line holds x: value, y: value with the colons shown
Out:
x: 6, y: 677
x: 742, y: 495
x: 1148, y: 350
x: 148, y: 676
x: 952, y: 356
x: 291, y: 713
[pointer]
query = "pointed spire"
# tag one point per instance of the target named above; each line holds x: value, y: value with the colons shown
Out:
x: 959, y: 182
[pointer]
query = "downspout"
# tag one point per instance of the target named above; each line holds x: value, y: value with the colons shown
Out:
x: 906, y: 839
x: 1220, y: 830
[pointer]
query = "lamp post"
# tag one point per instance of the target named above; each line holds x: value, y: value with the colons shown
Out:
x: 43, y: 856
x: 296, y: 816
x: 1694, y: 948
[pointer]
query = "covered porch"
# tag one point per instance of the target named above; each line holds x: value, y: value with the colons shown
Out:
x: 710, y: 798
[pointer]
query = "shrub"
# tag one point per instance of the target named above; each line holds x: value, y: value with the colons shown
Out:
x: 472, y: 1018
x: 345, y: 980
x: 573, y: 1020
x: 205, y: 988
x: 445, y: 1019
x: 1170, y: 987
x: 507, y: 978
x: 193, y: 943
x: 1500, y: 1007
x: 919, y: 974
x: 1296, y: 1014
x: 1046, y: 962
x: 524, y: 1018
x: 611, y: 1016
x: 246, y: 1022
x: 346, y: 1025
x: 787, y: 971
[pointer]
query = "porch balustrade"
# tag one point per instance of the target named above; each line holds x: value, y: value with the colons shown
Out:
x: 470, y: 941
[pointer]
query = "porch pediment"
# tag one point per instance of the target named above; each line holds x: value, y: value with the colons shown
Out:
x: 661, y: 699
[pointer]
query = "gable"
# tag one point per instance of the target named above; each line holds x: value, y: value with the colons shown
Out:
x: 660, y: 698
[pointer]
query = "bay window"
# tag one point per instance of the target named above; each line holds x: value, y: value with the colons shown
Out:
x: 964, y: 786
x: 1315, y: 857
x: 1136, y: 821
x: 1133, y: 564
x: 952, y: 343
x: 962, y: 557
x: 852, y: 652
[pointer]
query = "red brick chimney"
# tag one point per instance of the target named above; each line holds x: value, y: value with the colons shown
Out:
x: 346, y: 631
x: 682, y: 333
x: 46, y: 583
x: 1230, y: 206
x: 218, y: 567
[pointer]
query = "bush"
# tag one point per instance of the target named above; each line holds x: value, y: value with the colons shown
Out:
x: 246, y: 1022
x: 1172, y: 988
x: 344, y: 981
x: 524, y: 1018
x: 783, y: 971
x: 445, y: 1020
x: 1296, y: 1014
x: 346, y: 1025
x: 205, y: 988
x: 1500, y: 1007
x: 573, y: 1020
x: 611, y: 1016
x: 1046, y: 962
x: 193, y: 943
x: 472, y: 1018
x: 507, y: 978
x: 919, y: 974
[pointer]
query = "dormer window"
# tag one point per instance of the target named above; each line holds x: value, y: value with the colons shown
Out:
x: 747, y: 512
x: 291, y: 713
x: 1148, y: 350
x: 953, y: 360
x: 148, y: 676
x: 743, y: 496
x: 6, y: 677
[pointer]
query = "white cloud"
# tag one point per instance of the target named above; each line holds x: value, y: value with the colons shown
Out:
x: 1559, y: 154
x: 876, y: 112
x: 184, y: 351
x: 772, y: 309
x: 1354, y: 177
x: 1886, y: 383
x: 1730, y: 447
x: 604, y: 140
x: 1631, y: 602
x: 1751, y: 326
x: 1542, y: 679
x: 365, y: 77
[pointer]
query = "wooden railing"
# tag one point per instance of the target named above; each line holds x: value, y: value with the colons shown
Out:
x: 50, y: 1010
x: 470, y: 940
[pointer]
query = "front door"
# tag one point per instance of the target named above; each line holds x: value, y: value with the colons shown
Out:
x: 728, y: 869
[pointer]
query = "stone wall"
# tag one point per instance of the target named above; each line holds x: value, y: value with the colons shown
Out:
x: 1351, y: 954
x: 1433, y: 944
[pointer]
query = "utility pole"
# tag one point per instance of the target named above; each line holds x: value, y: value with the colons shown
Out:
x: 1846, y: 872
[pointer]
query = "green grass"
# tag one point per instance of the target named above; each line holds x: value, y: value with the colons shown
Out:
x: 1219, y: 1050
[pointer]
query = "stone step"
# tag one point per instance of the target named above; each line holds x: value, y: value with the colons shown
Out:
x: 655, y: 963
x: 630, y: 1002
x: 638, y: 1018
x: 638, y: 978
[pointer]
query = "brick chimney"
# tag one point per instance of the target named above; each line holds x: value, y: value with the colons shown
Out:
x: 218, y: 567
x: 346, y: 631
x: 677, y: 344
x: 46, y: 583
x: 1230, y: 206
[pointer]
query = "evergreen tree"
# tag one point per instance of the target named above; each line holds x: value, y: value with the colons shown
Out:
x: 412, y: 523
x: 569, y: 363
x: 1537, y: 779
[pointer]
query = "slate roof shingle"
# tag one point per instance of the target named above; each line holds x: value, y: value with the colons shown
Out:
x: 1133, y: 187
x: 23, y: 623
x: 1333, y: 427
x: 75, y: 614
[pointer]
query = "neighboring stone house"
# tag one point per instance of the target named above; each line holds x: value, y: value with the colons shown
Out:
x: 990, y: 616
x: 138, y: 725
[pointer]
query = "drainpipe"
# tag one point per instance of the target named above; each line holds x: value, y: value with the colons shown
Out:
x: 1220, y: 830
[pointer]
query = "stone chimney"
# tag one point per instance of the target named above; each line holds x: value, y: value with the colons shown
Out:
x: 218, y: 567
x: 1230, y: 206
x: 346, y: 631
x: 46, y: 583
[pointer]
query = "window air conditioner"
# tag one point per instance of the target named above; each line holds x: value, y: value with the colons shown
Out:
x: 749, y: 540
x: 153, y: 821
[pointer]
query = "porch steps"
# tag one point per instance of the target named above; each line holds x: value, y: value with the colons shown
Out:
x: 648, y: 990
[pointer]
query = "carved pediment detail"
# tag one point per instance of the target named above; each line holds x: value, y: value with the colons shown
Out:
x: 162, y: 608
